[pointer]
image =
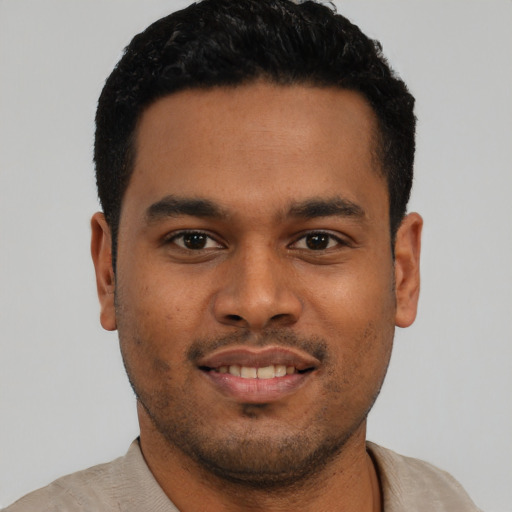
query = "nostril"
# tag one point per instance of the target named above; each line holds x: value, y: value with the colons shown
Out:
x: 234, y: 318
x: 280, y: 317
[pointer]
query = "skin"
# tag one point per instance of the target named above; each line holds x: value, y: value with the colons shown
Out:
x: 261, y: 155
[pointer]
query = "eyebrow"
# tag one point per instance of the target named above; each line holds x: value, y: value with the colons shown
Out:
x: 173, y: 206
x: 334, y: 206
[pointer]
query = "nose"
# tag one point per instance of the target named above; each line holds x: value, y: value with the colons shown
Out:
x: 257, y: 292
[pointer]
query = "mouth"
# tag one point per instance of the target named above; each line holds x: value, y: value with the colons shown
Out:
x: 273, y: 371
x: 258, y: 376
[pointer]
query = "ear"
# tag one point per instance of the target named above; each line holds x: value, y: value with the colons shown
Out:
x: 407, y: 269
x: 101, y: 251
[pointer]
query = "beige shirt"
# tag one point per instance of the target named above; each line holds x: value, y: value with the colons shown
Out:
x: 127, y: 485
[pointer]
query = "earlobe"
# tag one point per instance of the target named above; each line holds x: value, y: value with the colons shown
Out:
x: 407, y: 269
x: 101, y: 251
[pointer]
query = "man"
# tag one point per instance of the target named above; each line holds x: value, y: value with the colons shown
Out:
x: 254, y: 162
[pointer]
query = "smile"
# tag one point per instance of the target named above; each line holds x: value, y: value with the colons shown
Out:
x: 250, y: 372
x: 258, y: 376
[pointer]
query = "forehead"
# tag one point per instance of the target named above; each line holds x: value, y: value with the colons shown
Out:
x: 263, y: 142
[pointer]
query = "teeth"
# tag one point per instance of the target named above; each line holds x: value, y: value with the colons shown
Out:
x: 248, y: 372
x: 234, y: 369
x: 268, y: 372
x: 281, y: 370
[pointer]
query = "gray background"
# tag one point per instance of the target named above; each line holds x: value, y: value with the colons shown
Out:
x: 64, y: 400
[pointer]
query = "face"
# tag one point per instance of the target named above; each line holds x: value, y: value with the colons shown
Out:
x: 255, y: 292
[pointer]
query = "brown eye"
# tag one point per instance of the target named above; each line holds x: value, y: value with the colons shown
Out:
x: 195, y: 241
x: 317, y: 241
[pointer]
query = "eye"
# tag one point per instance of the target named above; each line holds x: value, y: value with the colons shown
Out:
x: 195, y: 241
x: 317, y: 241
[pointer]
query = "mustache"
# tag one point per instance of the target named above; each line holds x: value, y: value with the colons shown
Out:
x: 313, y: 345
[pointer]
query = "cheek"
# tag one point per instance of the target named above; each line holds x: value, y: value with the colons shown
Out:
x: 156, y: 318
x: 345, y: 300
x: 355, y: 312
x: 160, y: 296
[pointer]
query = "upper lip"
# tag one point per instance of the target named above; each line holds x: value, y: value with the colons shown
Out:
x: 259, y: 358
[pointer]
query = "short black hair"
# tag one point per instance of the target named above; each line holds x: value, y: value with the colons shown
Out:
x: 234, y: 42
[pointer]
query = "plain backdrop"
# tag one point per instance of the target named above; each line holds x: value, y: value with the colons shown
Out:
x: 65, y: 402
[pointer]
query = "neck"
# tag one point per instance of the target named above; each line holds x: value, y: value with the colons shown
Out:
x: 349, y: 482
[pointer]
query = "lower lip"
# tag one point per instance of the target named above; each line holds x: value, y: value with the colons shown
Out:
x: 256, y: 391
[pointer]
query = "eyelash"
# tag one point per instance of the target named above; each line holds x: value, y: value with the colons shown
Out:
x: 182, y: 234
x: 330, y: 238
x: 323, y: 235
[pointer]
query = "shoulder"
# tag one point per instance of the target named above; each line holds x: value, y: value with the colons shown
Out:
x: 78, y: 491
x: 412, y: 484
x: 95, y: 488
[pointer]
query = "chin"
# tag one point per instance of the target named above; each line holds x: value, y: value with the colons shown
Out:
x: 253, y: 453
